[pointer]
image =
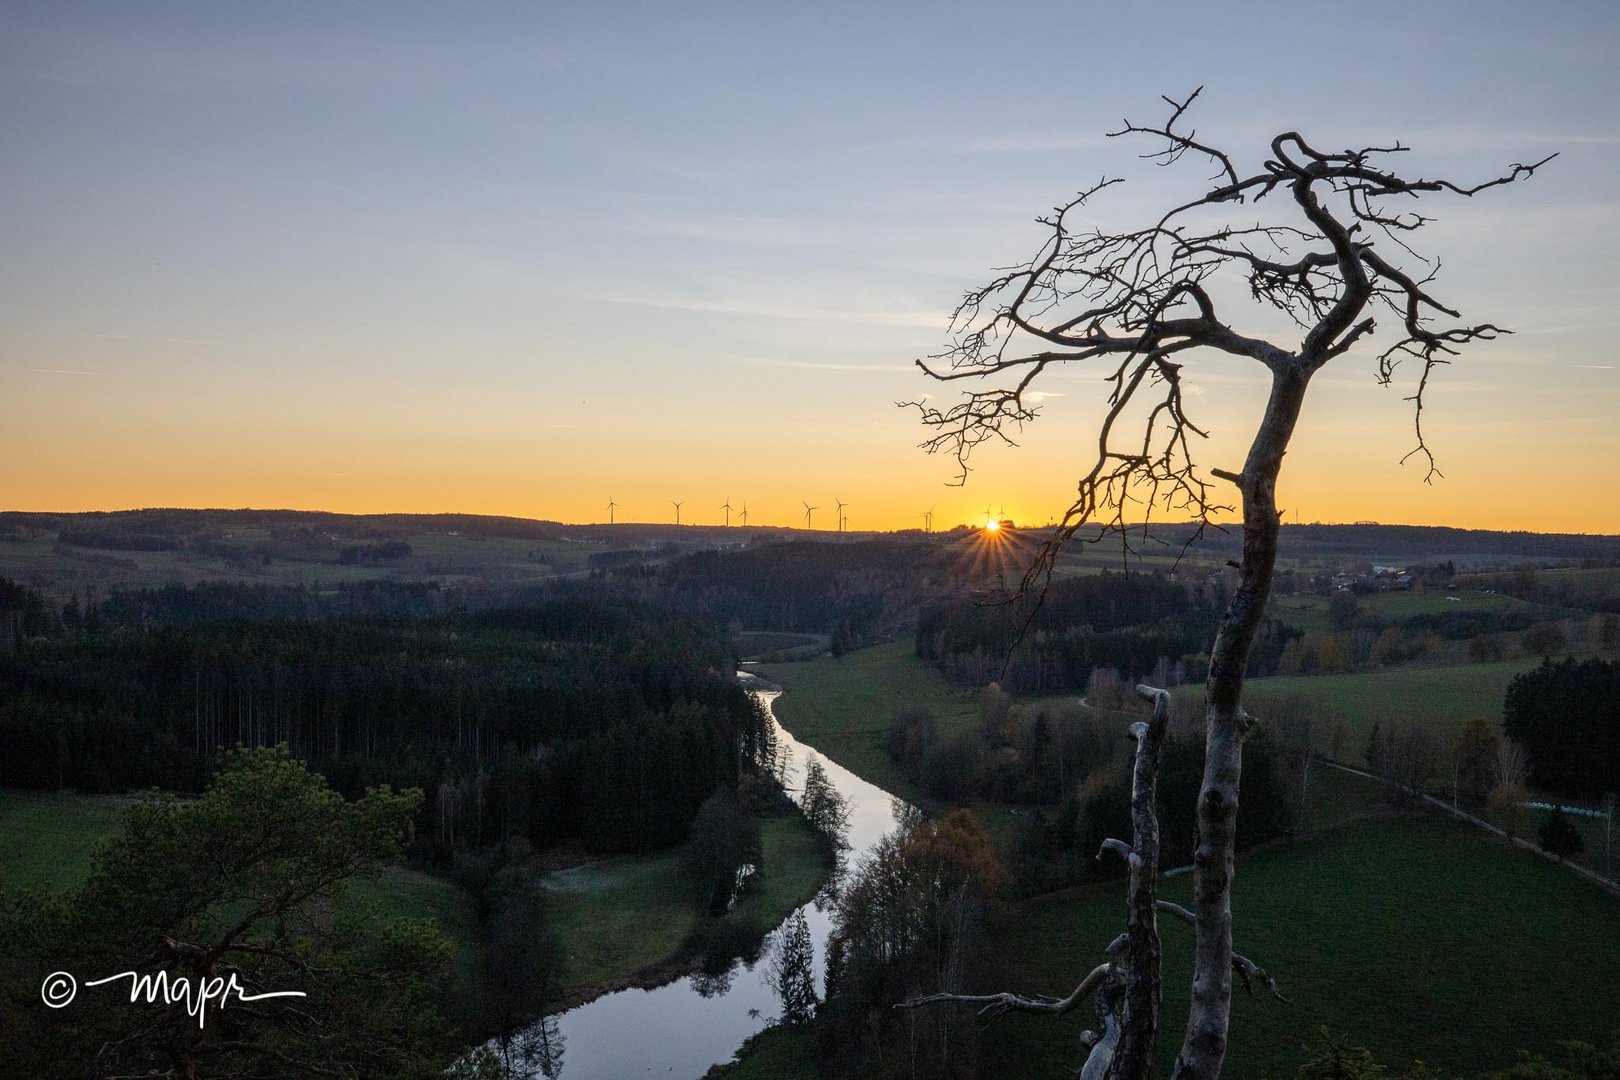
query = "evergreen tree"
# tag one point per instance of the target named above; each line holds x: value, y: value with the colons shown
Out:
x: 792, y: 971
x: 1559, y: 836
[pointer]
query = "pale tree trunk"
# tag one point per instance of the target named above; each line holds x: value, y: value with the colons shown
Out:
x: 1204, y: 1047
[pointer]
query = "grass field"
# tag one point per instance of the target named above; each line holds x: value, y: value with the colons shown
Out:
x: 1415, y: 936
x: 774, y: 1054
x: 843, y: 705
x: 47, y: 838
x: 1442, y: 698
x: 618, y: 917
x: 1311, y: 612
x: 60, y: 570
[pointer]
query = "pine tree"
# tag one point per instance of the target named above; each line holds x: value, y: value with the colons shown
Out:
x: 792, y: 971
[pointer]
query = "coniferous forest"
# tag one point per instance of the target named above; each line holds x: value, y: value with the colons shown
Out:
x: 583, y: 715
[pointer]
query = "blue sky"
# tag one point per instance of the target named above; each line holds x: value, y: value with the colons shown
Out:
x: 519, y: 258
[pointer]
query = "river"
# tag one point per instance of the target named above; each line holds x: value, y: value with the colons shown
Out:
x: 676, y: 1031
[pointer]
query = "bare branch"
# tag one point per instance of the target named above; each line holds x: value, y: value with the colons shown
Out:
x: 995, y: 1006
x: 1247, y: 969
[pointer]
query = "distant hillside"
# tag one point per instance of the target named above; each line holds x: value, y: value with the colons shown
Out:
x: 1410, y: 543
x: 61, y: 554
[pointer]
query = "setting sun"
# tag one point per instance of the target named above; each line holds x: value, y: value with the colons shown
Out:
x: 993, y: 525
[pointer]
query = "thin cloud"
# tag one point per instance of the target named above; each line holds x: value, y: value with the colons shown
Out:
x: 828, y: 365
x: 932, y: 320
x: 61, y: 371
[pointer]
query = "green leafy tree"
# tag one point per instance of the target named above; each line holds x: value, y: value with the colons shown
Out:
x: 243, y: 886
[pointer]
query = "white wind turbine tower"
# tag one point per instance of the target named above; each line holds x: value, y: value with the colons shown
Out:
x: 611, y: 505
x: 677, y: 507
x: 842, y: 520
x: 726, y: 506
x: 807, y: 509
x: 928, y: 520
x: 745, y: 515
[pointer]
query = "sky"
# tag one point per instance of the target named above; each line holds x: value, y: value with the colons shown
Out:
x: 527, y: 258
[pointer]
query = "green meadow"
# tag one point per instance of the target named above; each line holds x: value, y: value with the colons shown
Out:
x: 1413, y: 935
x: 843, y: 705
x: 1440, y: 698
x: 618, y: 920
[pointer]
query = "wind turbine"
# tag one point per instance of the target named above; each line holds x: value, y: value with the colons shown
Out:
x: 677, y: 511
x: 745, y: 515
x: 928, y: 520
x: 726, y: 506
x: 611, y: 505
x: 807, y: 509
x: 841, y: 518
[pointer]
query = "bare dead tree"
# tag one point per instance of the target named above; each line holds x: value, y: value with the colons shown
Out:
x: 1127, y: 985
x: 1143, y: 303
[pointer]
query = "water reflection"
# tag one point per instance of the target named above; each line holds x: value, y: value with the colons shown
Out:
x: 680, y: 1029
x: 532, y: 1052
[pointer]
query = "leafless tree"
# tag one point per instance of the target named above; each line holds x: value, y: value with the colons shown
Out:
x: 1334, y: 254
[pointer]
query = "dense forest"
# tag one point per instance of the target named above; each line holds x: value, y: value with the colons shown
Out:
x: 585, y: 715
x: 1567, y: 717
x: 857, y: 591
x: 1133, y: 622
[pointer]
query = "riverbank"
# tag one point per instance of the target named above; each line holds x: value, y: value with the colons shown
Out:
x: 623, y: 922
x: 630, y: 922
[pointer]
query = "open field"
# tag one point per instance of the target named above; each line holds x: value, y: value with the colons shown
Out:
x: 616, y: 918
x: 255, y: 555
x: 843, y: 706
x: 1442, y: 698
x: 1311, y: 612
x: 48, y: 837
x: 1415, y: 936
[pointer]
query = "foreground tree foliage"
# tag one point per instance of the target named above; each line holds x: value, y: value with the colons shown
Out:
x: 1334, y: 254
x: 244, y: 883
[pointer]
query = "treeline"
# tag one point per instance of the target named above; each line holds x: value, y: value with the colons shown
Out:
x: 173, y: 523
x: 1134, y: 623
x: 228, y: 601
x: 1384, y: 543
x: 584, y: 716
x: 1070, y: 769
x: 382, y: 551
x: 1553, y: 589
x: 857, y: 591
x: 1566, y: 715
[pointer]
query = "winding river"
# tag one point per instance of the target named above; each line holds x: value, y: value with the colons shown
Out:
x: 677, y: 1030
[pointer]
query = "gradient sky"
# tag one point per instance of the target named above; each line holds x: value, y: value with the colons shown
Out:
x: 521, y: 258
